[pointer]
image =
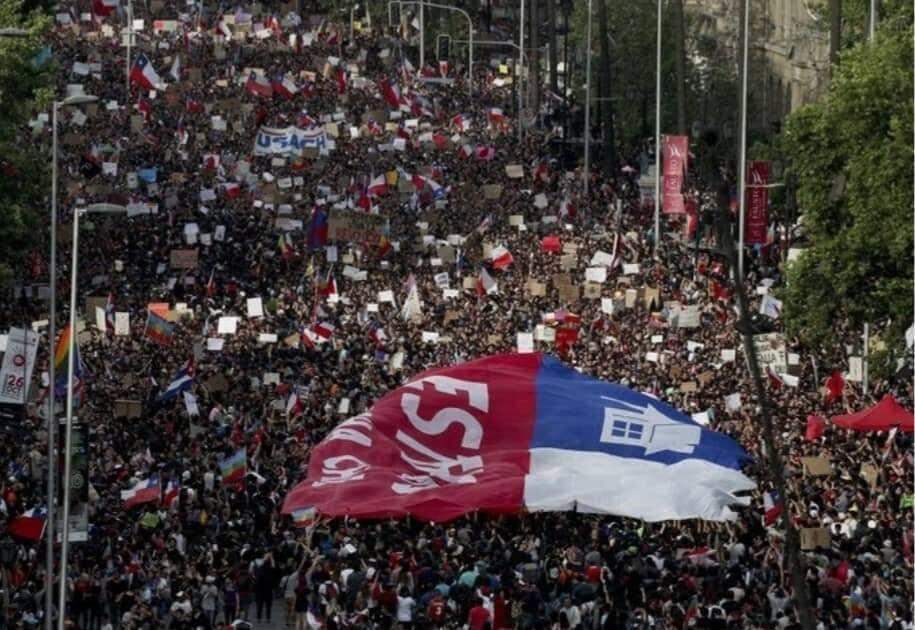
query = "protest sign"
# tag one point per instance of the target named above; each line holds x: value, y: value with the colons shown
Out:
x: 344, y: 225
x: 183, y: 258
x: 817, y: 466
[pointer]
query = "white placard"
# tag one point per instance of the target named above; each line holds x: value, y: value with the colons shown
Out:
x: 630, y: 269
x: 525, y: 342
x: 386, y: 296
x: 732, y: 402
x: 267, y: 338
x: 728, y: 355
x: 430, y: 336
x: 255, y: 307
x: 121, y: 324
x: 227, y: 325
x: 596, y: 274
x: 100, y: 318
x: 214, y: 344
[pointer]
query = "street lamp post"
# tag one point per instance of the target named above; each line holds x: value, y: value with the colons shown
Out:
x: 520, y: 72
x: 68, y: 426
x: 741, y: 187
x: 129, y: 41
x: 52, y: 336
x: 586, y: 175
x: 657, y: 137
x: 446, y: 7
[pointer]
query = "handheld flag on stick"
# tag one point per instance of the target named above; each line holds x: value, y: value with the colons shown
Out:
x: 234, y: 468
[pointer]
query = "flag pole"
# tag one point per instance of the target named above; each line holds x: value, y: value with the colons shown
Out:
x: 741, y: 188
x: 586, y: 175
x: 657, y: 138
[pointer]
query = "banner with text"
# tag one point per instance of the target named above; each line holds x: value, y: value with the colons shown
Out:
x: 18, y: 363
x: 675, y: 160
x: 757, y: 221
x: 273, y: 140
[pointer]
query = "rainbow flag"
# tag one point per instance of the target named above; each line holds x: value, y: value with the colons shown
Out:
x: 159, y: 329
x: 61, y: 357
x: 304, y: 517
x: 233, y: 468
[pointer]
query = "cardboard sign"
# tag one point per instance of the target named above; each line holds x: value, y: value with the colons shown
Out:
x: 688, y: 387
x: 128, y: 409
x: 535, y: 289
x: 651, y: 297
x: 817, y: 466
x: 183, y: 258
x: 514, y: 171
x: 592, y: 290
x: 492, y: 191
x: 569, y: 293
x: 815, y: 538
x: 870, y: 474
x: 355, y: 226
x: 217, y: 383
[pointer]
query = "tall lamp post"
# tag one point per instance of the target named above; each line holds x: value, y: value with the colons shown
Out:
x: 742, y: 166
x: 102, y: 208
x: 657, y: 137
x: 70, y: 101
x: 586, y: 175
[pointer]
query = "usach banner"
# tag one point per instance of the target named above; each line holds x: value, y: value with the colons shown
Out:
x: 675, y: 157
x: 757, y: 220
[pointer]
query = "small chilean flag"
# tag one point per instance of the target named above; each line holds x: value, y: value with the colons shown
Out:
x: 144, y: 74
x: 325, y: 330
x: 485, y: 284
x: 461, y: 121
x: 146, y: 491
x: 496, y: 116
x: 286, y: 88
x: 390, y: 92
x: 258, y: 86
x: 772, y: 507
x: 29, y: 525
x: 172, y: 490
x: 501, y: 257
x: 378, y: 185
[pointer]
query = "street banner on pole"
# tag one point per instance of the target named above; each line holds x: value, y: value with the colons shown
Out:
x: 675, y: 160
x: 18, y: 363
x: 757, y: 225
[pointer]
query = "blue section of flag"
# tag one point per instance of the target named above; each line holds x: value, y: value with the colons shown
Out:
x: 148, y: 175
x: 181, y: 383
x: 578, y: 413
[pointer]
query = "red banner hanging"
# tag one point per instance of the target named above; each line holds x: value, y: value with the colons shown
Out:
x: 757, y: 220
x: 675, y: 160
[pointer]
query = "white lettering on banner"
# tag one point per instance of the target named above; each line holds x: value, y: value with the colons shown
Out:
x: 293, y: 140
x: 436, y: 465
x: 333, y: 473
x: 413, y: 483
x: 351, y: 430
x: 440, y: 466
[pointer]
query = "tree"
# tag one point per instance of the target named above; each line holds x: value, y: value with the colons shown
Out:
x: 23, y: 169
x: 852, y: 156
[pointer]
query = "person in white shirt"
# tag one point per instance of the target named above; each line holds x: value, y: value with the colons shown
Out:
x: 573, y: 614
x: 405, y: 607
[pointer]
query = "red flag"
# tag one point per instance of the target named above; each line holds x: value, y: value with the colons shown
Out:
x: 341, y: 81
x: 816, y: 426
x: 835, y: 385
x: 551, y: 244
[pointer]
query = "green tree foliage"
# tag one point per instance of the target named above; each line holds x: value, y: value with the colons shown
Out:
x: 24, y: 90
x: 852, y: 154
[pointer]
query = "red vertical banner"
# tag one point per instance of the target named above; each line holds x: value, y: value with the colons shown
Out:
x: 756, y: 227
x: 675, y: 157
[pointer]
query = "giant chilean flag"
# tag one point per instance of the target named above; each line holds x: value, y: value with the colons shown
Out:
x: 521, y: 431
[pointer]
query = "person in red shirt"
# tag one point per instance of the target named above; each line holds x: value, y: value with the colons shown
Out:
x: 435, y: 612
x: 478, y: 615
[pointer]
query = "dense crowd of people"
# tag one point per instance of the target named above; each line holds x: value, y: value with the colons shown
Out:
x: 207, y: 554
